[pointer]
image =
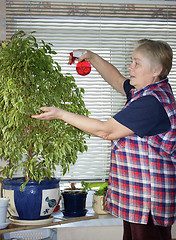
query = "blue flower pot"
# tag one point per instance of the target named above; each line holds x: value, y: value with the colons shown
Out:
x: 74, y: 204
x: 36, y: 202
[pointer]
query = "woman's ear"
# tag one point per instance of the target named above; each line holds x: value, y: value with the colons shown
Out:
x: 157, y: 70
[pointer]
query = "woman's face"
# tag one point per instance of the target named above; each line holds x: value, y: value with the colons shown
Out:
x: 141, y: 71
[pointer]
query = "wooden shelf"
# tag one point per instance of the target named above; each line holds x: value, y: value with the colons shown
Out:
x: 14, y: 228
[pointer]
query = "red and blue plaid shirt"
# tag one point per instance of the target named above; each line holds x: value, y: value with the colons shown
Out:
x: 142, y: 174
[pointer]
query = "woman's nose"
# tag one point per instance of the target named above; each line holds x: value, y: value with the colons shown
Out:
x: 130, y: 67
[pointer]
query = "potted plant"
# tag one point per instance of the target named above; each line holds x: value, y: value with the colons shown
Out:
x: 99, y: 195
x: 30, y: 78
x: 74, y: 201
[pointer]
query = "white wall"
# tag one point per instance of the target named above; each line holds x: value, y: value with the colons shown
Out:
x: 90, y: 233
x: 174, y: 231
x: 97, y: 233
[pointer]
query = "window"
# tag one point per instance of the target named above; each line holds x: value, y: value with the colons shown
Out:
x: 107, y: 28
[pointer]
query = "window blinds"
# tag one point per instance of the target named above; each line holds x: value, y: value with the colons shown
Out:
x: 107, y: 28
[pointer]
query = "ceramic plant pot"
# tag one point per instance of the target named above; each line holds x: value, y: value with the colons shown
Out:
x: 99, y: 204
x: 36, y: 202
x: 74, y: 204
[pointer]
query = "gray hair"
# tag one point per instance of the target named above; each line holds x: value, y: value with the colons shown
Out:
x: 158, y: 52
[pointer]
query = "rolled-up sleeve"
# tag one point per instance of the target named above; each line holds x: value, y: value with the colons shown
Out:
x: 145, y: 117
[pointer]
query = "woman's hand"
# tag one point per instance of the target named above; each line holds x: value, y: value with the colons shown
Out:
x: 50, y: 113
x: 87, y: 56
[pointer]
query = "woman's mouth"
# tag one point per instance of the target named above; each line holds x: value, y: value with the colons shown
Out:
x: 132, y: 77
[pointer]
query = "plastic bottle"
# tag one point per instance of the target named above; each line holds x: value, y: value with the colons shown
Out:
x: 83, y: 68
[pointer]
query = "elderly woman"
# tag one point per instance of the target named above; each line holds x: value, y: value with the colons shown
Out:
x: 142, y: 178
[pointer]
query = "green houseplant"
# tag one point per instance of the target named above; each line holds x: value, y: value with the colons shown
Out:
x: 30, y: 78
x: 99, y: 199
x: 100, y: 189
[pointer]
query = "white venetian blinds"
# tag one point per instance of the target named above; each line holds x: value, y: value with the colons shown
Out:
x: 109, y: 28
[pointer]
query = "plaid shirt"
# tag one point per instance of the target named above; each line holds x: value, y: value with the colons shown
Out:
x: 142, y: 174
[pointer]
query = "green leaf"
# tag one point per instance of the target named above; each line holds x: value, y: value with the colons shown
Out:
x: 24, y: 151
x: 22, y: 187
x: 1, y: 179
x: 40, y: 147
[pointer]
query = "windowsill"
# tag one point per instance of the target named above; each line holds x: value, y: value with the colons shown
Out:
x: 102, y: 220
